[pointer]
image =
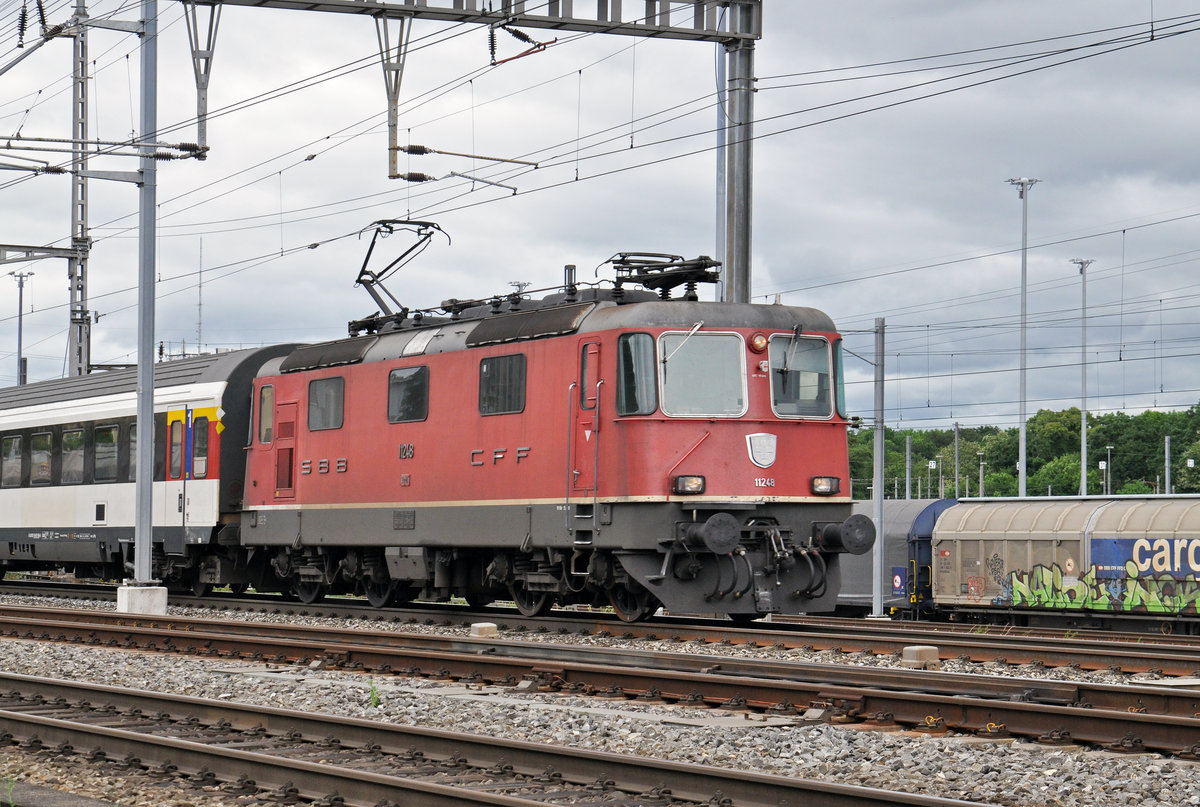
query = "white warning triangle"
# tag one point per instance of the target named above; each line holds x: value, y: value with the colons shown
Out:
x: 587, y: 434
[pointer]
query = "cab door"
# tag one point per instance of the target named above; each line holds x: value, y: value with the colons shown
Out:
x: 585, y: 408
x: 285, y: 450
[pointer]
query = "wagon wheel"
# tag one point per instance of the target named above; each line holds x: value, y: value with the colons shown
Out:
x: 238, y: 589
x: 308, y: 592
x: 531, y: 603
x: 199, y: 588
x: 631, y: 603
x: 380, y: 594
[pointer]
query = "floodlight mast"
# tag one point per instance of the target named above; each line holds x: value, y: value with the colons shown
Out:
x: 692, y: 20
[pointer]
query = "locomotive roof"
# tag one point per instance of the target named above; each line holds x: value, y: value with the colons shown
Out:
x: 541, y: 319
x: 200, y: 369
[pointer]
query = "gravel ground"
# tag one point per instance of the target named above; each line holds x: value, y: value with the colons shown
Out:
x: 1002, y: 773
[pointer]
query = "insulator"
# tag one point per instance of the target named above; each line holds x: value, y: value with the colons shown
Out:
x: 188, y: 146
x: 54, y: 169
x: 163, y: 156
x: 411, y: 149
x: 492, y: 43
x: 41, y: 14
x: 416, y: 177
x: 521, y: 35
x: 22, y: 21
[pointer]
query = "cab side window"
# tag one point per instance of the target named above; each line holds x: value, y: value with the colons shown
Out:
x: 266, y: 414
x: 326, y: 398
x: 502, y: 384
x: 408, y: 395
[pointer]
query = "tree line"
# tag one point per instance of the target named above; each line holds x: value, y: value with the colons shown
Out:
x: 1132, y: 446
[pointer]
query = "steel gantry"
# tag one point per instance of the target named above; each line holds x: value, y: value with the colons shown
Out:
x: 692, y: 20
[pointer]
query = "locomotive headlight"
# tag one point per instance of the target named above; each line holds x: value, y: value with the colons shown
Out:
x: 826, y: 485
x: 758, y: 342
x: 687, y: 485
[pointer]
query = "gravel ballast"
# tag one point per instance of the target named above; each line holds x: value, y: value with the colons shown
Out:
x: 1003, y: 773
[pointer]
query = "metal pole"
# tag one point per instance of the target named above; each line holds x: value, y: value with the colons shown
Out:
x: 908, y: 466
x: 741, y: 153
x: 20, y: 276
x: 722, y: 133
x: 1023, y: 185
x: 1167, y: 458
x: 79, y: 336
x: 981, y: 464
x: 143, y: 524
x: 1083, y: 264
x: 877, y: 550
x: 1108, y: 472
x: 956, y: 459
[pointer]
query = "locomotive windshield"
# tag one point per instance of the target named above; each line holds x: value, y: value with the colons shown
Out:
x: 703, y: 374
x: 800, y: 377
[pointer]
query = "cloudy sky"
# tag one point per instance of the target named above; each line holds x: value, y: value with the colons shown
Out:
x: 886, y: 132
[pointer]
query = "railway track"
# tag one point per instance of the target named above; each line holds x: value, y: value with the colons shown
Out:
x: 1120, y: 652
x: 287, y: 755
x: 1156, y: 718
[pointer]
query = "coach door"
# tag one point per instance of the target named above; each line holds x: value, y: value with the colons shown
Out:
x: 285, y: 450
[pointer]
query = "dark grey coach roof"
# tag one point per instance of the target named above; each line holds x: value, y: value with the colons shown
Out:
x: 199, y: 370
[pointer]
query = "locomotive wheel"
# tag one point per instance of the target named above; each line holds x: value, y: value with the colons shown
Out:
x: 200, y: 589
x: 531, y: 603
x: 308, y: 592
x: 477, y: 599
x: 743, y: 618
x: 380, y: 594
x: 631, y: 603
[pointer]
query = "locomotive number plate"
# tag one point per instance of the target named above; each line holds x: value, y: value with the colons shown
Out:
x: 764, y: 482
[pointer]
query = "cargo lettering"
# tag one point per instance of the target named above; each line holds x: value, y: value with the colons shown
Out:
x: 1167, y: 555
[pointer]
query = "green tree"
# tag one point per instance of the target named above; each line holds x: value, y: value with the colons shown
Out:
x: 1059, y: 476
x: 999, y: 483
x: 1051, y: 435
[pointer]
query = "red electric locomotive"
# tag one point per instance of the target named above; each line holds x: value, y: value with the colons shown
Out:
x: 601, y: 445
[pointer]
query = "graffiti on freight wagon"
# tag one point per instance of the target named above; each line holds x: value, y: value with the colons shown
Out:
x: 1136, y: 591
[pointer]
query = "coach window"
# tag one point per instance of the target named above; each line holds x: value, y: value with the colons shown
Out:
x: 325, y: 400
x: 502, y: 384
x: 176, y: 440
x: 636, y: 393
x: 40, y: 448
x: 10, y: 459
x: 266, y: 413
x: 703, y: 374
x: 199, y: 448
x: 408, y: 395
x: 800, y: 377
x: 72, y: 456
x: 106, y: 454
x: 133, y: 453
